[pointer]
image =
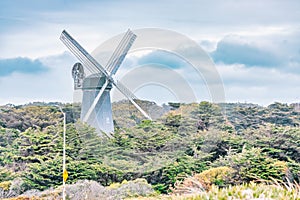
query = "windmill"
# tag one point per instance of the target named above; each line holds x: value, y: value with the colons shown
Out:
x: 96, y: 109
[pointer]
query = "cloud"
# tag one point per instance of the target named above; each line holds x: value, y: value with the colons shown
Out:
x: 42, y: 21
x: 233, y: 51
x: 162, y: 58
x: 278, y: 50
x: 260, y: 68
x: 21, y: 65
x: 259, y: 85
x: 153, y: 73
x: 54, y: 84
x: 149, y: 81
x: 249, y: 49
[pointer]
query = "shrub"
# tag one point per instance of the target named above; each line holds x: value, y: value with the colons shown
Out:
x: 138, y: 187
x: 88, y: 189
x: 175, y: 171
x: 85, y: 189
x: 203, y: 181
x: 11, y: 188
x: 249, y: 191
x: 5, y: 185
x: 217, y: 176
x: 252, y: 164
x: 6, y: 174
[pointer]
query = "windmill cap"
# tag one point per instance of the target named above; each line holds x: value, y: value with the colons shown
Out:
x: 95, y: 81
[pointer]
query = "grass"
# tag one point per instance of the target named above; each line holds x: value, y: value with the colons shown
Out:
x: 258, y: 191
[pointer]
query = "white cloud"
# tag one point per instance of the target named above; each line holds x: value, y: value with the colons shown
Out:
x: 52, y: 85
x: 259, y: 85
x: 35, y: 26
x: 270, y: 28
x: 277, y: 50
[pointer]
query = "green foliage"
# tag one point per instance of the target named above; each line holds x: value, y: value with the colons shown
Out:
x: 5, y: 185
x: 215, y: 176
x: 107, y: 175
x: 80, y: 170
x: 7, y: 136
x: 6, y: 174
x: 38, y: 146
x: 177, y: 170
x: 252, y: 165
x: 210, y: 144
x: 282, y: 114
x: 7, y: 146
x: 121, y: 139
x: 43, y: 151
x: 294, y: 175
x: 72, y: 112
x: 126, y: 115
x: 187, y: 140
x: 174, y: 106
x: 173, y: 120
x: 150, y: 137
x: 250, y: 116
x: 11, y: 188
x: 24, y: 117
x: 208, y: 114
x: 43, y: 175
x: 279, y: 142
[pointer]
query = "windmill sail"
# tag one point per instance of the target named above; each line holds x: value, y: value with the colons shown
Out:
x: 121, y: 51
x: 85, y: 58
x: 130, y: 96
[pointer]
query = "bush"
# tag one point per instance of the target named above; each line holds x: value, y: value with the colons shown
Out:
x: 6, y: 174
x: 249, y: 191
x: 203, y: 181
x: 5, y: 185
x: 215, y: 176
x: 135, y: 188
x: 88, y: 189
x: 252, y: 165
x: 85, y: 189
x: 11, y: 188
x: 166, y: 177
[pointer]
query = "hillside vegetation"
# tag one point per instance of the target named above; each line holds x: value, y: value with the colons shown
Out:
x: 188, y: 148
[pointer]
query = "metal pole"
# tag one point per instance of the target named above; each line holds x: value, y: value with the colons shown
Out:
x: 64, y: 156
x: 64, y: 151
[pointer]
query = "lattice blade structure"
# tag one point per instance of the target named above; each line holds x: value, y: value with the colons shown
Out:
x: 121, y: 51
x: 85, y: 58
x: 130, y: 96
x: 122, y: 88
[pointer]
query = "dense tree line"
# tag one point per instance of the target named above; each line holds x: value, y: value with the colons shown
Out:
x: 255, y: 142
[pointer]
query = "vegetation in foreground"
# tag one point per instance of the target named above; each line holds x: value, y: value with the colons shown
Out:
x: 187, y: 145
x: 140, y: 190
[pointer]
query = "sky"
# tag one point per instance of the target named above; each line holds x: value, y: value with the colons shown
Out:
x: 255, y: 46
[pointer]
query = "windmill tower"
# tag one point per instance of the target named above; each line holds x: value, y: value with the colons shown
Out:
x: 96, y: 109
